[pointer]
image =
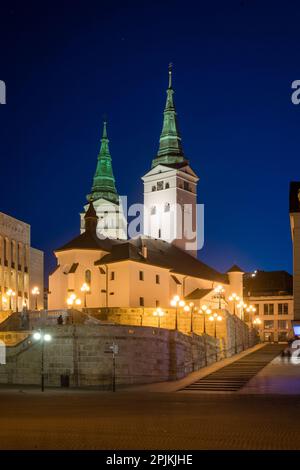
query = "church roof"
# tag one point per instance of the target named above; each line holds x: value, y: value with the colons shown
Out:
x: 161, y: 254
x: 170, y: 147
x: 104, y: 181
x: 235, y: 269
x: 88, y: 241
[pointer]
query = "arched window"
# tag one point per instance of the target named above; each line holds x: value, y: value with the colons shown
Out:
x: 153, y: 210
x: 167, y: 186
x: 153, y: 188
x: 88, y: 276
x: 167, y: 207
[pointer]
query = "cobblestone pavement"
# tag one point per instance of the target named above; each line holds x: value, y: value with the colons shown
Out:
x: 135, y: 420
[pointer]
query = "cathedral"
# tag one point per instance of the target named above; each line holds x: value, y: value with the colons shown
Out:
x: 101, y: 267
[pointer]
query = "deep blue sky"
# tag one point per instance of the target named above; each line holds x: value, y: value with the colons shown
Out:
x: 67, y: 63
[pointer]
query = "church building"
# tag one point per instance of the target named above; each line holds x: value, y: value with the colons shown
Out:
x: 149, y: 270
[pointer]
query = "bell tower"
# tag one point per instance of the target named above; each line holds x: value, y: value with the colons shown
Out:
x: 170, y: 187
x: 111, y: 220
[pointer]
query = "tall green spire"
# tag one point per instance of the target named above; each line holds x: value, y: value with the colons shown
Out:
x: 170, y: 148
x: 104, y: 181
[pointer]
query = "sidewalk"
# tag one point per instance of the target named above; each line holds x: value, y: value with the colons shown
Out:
x: 281, y: 376
x: 175, y: 385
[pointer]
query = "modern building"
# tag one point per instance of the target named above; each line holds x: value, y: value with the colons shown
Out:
x: 150, y: 269
x: 271, y: 294
x: 21, y: 266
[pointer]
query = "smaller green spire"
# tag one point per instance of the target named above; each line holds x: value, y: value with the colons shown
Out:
x: 104, y: 181
x: 170, y: 147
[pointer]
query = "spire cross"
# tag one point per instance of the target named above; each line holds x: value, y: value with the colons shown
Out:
x: 170, y: 74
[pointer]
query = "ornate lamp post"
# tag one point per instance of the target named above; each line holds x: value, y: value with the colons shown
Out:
x: 73, y: 300
x: 10, y: 293
x: 159, y: 313
x: 205, y: 311
x: 177, y: 302
x: 219, y: 294
x: 234, y: 298
x: 36, y: 292
x: 85, y: 288
x: 216, y: 318
x: 42, y: 338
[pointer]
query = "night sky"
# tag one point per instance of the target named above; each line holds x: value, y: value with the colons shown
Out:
x: 68, y: 63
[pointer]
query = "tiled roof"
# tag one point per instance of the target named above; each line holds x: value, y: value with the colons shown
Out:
x: 162, y: 254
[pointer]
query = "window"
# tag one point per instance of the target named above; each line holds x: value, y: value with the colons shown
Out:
x: 167, y: 207
x: 256, y: 306
x: 142, y: 302
x: 157, y: 303
x: 167, y: 186
x: 268, y: 324
x: 186, y: 186
x: 141, y: 275
x: 157, y: 279
x: 88, y: 277
x: 282, y: 336
x: 268, y: 309
x: 282, y: 324
x: 112, y: 275
x: 153, y: 188
x: 283, y: 309
x: 159, y: 233
x: 153, y: 210
x: 160, y: 185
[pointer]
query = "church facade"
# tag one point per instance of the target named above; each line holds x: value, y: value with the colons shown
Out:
x: 149, y: 270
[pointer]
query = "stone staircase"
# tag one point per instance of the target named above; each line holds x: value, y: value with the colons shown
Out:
x: 234, y: 376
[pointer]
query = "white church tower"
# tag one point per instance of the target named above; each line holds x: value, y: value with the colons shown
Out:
x: 111, y: 220
x: 170, y: 187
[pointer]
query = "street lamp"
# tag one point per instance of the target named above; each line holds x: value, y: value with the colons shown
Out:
x: 42, y: 338
x: 216, y: 318
x: 241, y: 305
x: 234, y: 298
x: 73, y: 300
x: 158, y: 313
x: 10, y: 293
x: 177, y: 302
x: 36, y: 292
x: 85, y: 288
x: 206, y: 311
x: 219, y: 294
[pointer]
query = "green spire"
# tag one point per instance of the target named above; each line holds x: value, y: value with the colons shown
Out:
x: 104, y: 181
x: 170, y: 148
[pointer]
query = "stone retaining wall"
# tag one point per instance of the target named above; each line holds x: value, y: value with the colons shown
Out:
x: 80, y: 352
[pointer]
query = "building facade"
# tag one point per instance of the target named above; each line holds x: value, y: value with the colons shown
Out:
x: 21, y: 266
x: 170, y: 187
x: 271, y: 293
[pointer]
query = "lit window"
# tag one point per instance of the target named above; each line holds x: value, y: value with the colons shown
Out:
x: 268, y: 324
